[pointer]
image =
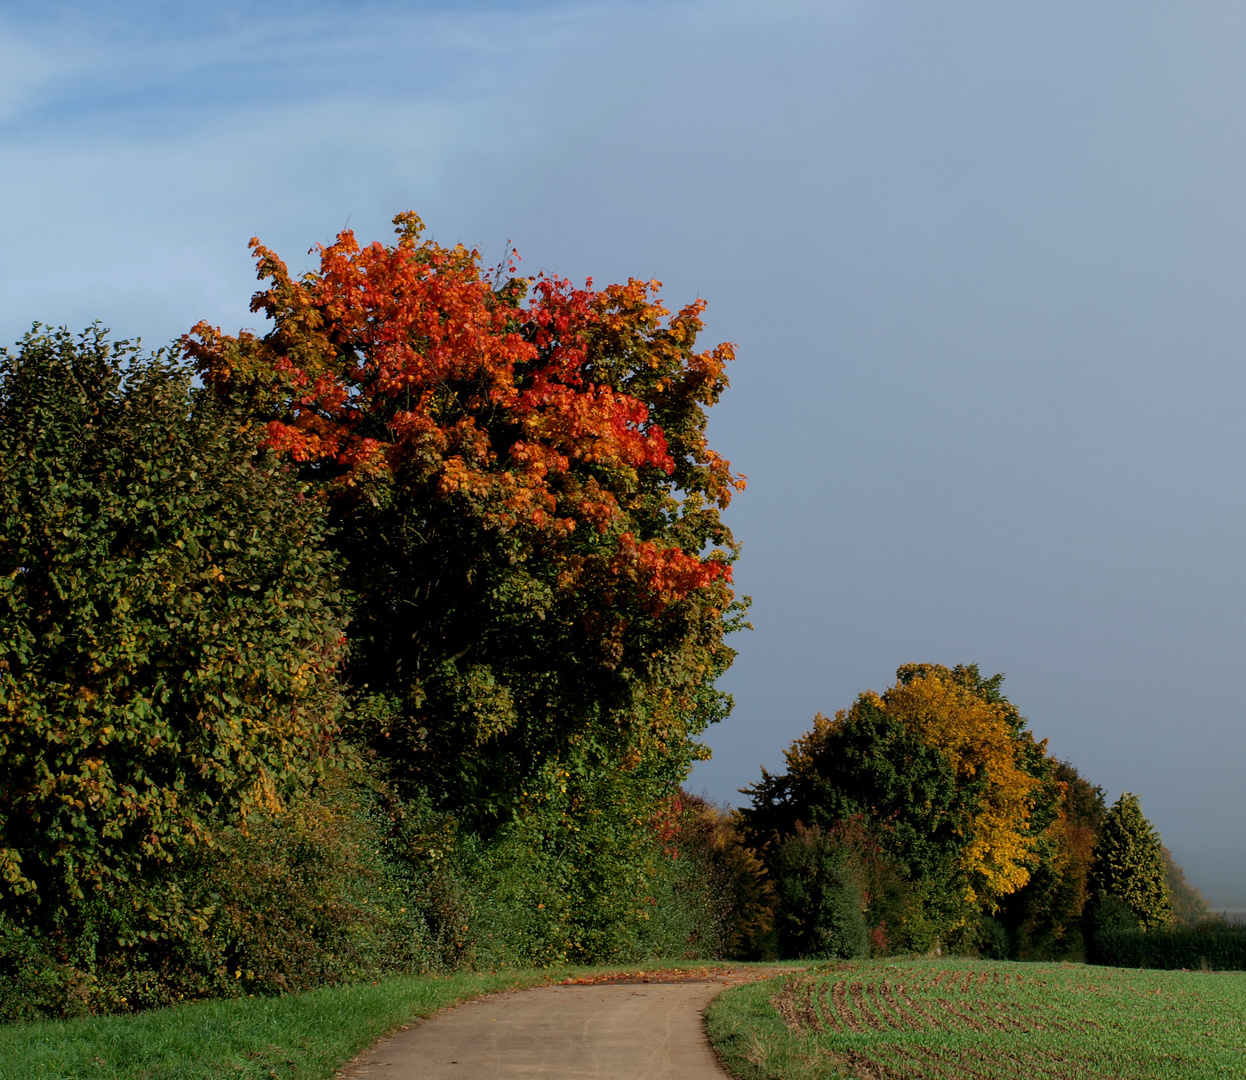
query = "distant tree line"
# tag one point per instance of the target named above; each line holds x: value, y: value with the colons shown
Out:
x: 928, y: 818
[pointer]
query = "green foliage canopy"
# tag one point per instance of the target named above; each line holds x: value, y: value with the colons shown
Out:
x: 877, y: 771
x: 169, y: 621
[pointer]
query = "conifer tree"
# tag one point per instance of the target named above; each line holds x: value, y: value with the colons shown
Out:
x: 1129, y: 864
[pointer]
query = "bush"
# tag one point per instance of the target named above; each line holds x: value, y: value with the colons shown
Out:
x: 1211, y: 946
x: 723, y: 886
x: 819, y: 900
x: 309, y: 897
x: 32, y: 984
x: 169, y: 626
x: 584, y: 877
x: 351, y: 883
x: 313, y: 897
x: 1108, y: 912
x: 992, y: 939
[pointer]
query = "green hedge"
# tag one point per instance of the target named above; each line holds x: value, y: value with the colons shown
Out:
x: 1215, y: 946
x: 340, y: 889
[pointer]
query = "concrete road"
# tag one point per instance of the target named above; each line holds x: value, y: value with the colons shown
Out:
x: 620, y: 1031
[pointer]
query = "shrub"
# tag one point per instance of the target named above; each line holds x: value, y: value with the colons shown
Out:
x: 734, y: 907
x: 311, y: 896
x: 586, y: 875
x: 819, y: 900
x: 588, y: 878
x: 992, y: 943
x: 308, y: 897
x: 34, y: 985
x: 1108, y: 912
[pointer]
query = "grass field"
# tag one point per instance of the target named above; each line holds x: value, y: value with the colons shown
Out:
x: 971, y: 1020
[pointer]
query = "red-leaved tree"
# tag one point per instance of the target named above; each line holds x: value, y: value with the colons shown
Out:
x: 521, y: 485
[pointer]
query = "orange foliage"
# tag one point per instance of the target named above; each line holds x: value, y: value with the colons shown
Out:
x: 409, y: 360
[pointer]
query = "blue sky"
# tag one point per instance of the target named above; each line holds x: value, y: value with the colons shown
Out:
x: 984, y: 263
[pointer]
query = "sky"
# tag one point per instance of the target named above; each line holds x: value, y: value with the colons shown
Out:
x: 983, y: 262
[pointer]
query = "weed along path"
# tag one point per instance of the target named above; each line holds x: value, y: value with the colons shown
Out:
x: 600, y: 1028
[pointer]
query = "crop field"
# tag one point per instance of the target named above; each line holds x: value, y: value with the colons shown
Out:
x: 972, y: 1020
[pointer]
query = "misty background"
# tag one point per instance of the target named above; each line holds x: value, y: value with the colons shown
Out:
x: 984, y: 263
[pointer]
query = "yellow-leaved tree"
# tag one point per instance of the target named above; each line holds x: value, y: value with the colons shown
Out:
x: 959, y: 829
x: 983, y: 737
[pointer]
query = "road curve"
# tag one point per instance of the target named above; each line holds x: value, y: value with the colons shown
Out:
x: 619, y: 1031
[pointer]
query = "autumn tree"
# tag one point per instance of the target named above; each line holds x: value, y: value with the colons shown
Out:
x: 1045, y: 918
x: 1129, y: 864
x: 869, y: 766
x: 984, y: 738
x: 944, y: 773
x: 518, y: 476
x: 169, y: 623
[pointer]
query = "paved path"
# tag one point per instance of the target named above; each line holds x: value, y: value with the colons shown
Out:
x: 619, y: 1031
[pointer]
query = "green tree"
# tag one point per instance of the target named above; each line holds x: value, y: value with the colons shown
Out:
x: 169, y: 623
x: 1129, y: 864
x: 877, y: 771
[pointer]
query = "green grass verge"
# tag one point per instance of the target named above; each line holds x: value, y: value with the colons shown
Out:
x: 948, y: 1020
x: 297, y: 1037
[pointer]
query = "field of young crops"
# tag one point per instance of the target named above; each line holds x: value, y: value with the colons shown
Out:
x: 970, y: 1020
